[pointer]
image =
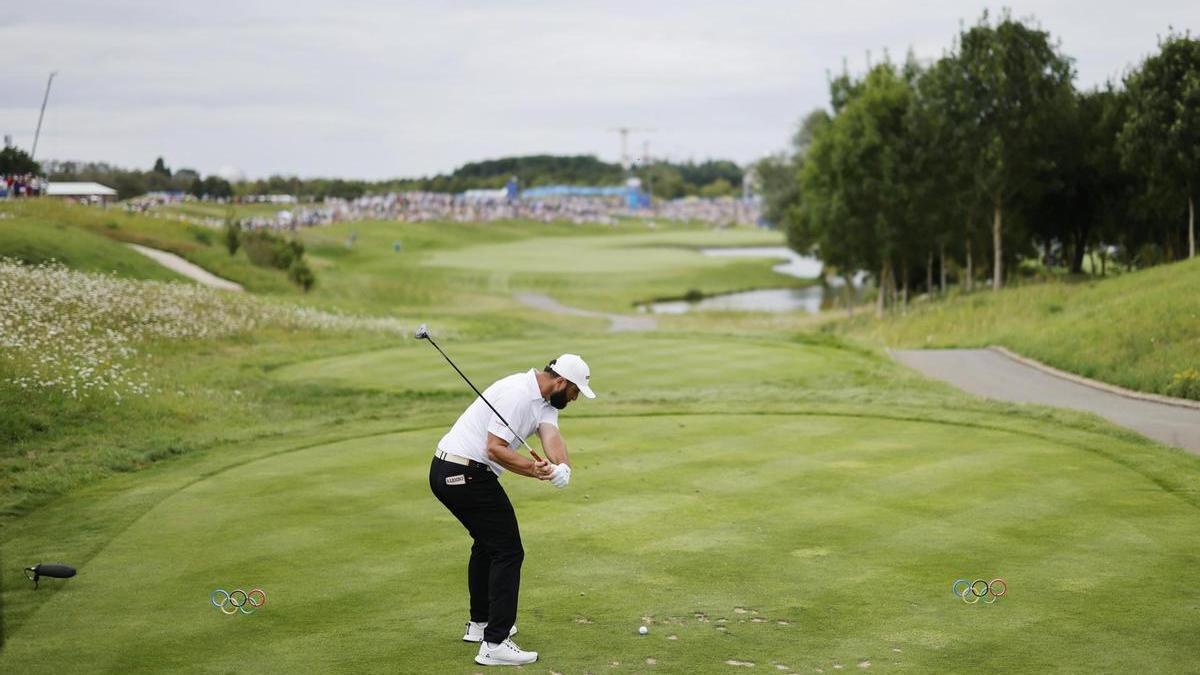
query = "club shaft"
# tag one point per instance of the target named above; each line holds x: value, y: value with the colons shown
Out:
x: 481, y: 396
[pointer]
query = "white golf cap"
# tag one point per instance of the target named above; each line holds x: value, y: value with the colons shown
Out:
x: 576, y: 371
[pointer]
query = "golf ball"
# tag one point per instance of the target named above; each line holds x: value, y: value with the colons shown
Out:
x: 643, y: 630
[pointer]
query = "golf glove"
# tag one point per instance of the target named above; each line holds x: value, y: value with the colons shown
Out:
x: 561, y: 476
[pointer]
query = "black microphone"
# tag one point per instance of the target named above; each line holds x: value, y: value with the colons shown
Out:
x: 54, y: 570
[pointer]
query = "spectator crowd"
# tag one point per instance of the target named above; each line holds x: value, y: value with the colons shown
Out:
x: 21, y: 185
x: 426, y: 206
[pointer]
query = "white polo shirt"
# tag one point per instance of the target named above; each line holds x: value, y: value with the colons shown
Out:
x: 519, y: 399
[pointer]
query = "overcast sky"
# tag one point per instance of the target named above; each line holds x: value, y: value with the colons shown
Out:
x: 385, y: 89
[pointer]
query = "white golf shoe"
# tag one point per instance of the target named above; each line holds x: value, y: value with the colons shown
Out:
x: 506, y: 653
x: 475, y: 631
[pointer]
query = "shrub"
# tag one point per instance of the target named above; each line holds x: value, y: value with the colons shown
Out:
x: 300, y: 274
x: 201, y: 234
x: 232, y: 236
x: 288, y: 253
x: 267, y: 250
x: 1185, y: 384
x: 1150, y: 255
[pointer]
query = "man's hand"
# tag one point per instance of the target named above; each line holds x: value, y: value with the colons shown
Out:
x: 560, y: 476
x: 543, y: 470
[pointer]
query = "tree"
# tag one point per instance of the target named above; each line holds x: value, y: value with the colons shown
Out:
x: 779, y: 174
x: 718, y: 188
x: 213, y: 187
x: 662, y: 179
x: 1161, y: 138
x: 14, y: 160
x: 854, y: 206
x: 232, y: 233
x: 160, y: 168
x: 779, y: 183
x: 1084, y: 198
x: 945, y: 189
x: 1013, y: 82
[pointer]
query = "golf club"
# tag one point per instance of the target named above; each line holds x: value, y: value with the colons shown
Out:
x: 423, y: 334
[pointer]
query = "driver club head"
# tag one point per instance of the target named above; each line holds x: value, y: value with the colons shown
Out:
x: 422, y: 332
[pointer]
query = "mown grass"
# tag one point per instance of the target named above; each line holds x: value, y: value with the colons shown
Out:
x: 723, y: 486
x: 222, y: 211
x: 1137, y: 330
x: 731, y: 463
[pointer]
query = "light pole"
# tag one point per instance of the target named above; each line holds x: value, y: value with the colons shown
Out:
x: 36, y: 134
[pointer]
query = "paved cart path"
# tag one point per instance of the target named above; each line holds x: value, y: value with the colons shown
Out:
x: 986, y: 372
x: 620, y: 322
x: 187, y: 269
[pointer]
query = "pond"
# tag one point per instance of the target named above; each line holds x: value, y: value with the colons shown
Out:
x: 807, y: 299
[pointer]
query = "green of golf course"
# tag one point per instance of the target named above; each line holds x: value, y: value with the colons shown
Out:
x: 751, y: 490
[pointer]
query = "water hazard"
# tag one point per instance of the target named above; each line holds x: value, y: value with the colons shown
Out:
x: 807, y: 299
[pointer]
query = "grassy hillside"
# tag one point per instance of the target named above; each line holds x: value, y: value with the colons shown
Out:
x: 1139, y: 330
x: 36, y: 240
x: 77, y: 226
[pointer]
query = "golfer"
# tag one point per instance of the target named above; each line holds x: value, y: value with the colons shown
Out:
x: 465, y: 477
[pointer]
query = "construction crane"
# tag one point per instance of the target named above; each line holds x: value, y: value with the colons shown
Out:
x: 624, y: 131
x: 36, y: 134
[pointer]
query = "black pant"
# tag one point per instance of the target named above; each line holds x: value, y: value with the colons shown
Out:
x: 494, y: 573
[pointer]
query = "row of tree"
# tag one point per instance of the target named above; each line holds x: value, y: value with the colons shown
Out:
x: 928, y: 166
x: 667, y: 180
x: 133, y: 182
x: 16, y: 162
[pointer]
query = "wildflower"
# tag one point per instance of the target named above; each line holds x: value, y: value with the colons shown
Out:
x: 78, y: 332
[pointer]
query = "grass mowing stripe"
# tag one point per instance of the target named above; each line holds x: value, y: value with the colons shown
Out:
x: 635, y: 572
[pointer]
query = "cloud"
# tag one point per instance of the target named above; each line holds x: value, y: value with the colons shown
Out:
x: 366, y: 89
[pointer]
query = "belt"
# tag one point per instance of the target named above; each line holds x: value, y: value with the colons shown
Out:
x: 458, y: 459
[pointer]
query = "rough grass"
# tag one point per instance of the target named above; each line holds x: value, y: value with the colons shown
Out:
x: 1138, y: 330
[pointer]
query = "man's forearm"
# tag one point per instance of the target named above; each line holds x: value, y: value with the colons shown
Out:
x: 509, y: 459
x: 553, y: 444
x: 558, y: 454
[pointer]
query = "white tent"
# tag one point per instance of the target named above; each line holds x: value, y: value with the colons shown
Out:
x: 80, y: 190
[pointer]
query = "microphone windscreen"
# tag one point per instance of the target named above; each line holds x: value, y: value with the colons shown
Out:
x: 56, y: 570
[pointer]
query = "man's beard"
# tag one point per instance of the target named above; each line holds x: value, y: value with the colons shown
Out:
x: 559, y: 400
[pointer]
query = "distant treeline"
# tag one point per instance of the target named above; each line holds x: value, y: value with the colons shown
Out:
x: 923, y: 170
x: 667, y: 179
x: 133, y: 182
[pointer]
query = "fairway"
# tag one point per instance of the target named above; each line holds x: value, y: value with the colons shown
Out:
x: 737, y: 524
x: 612, y: 254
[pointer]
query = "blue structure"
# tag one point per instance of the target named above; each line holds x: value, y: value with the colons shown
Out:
x: 634, y: 196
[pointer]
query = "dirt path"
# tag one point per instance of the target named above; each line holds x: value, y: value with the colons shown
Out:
x: 187, y: 269
x: 990, y: 373
x: 620, y: 322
